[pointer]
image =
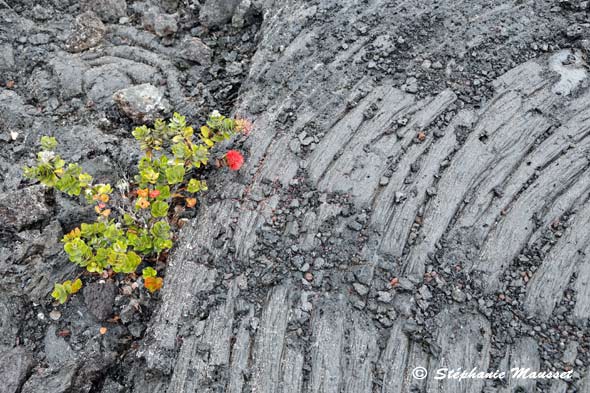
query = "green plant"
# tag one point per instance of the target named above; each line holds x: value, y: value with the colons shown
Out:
x: 61, y: 292
x: 136, y: 224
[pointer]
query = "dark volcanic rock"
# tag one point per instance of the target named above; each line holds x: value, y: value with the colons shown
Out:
x: 51, y: 381
x: 215, y: 13
x: 107, y: 10
x: 15, y: 364
x: 160, y: 23
x: 6, y: 57
x: 88, y: 32
x: 195, y: 50
x: 99, y: 298
x: 57, y: 351
x: 22, y: 208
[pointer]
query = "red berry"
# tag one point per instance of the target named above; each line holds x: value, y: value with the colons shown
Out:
x: 154, y: 193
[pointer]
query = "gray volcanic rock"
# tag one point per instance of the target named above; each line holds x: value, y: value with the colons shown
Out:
x: 215, y: 13
x: 193, y: 49
x: 415, y: 194
x: 142, y: 103
x: 15, y: 364
x: 88, y: 32
x: 51, y: 380
x: 22, y: 208
x: 107, y: 10
x: 57, y: 351
x: 6, y: 57
x: 99, y: 298
x: 161, y: 24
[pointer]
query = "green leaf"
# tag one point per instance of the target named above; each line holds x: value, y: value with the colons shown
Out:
x: 159, y: 209
x: 161, y: 245
x: 188, y: 132
x: 164, y: 192
x: 128, y: 220
x: 59, y: 293
x: 112, y: 233
x: 178, y: 122
x: 84, y: 179
x: 148, y: 175
x: 120, y: 246
x: 69, y: 184
x: 141, y: 242
x: 175, y: 174
x: 161, y: 230
x: 58, y: 162
x: 200, y: 155
x: 140, y: 133
x: 94, y: 267
x: 127, y: 262
x: 195, y: 185
x: 205, y: 132
x: 76, y: 286
x: 181, y: 150
x: 78, y: 251
x: 48, y: 143
x: 149, y: 272
x: 67, y: 286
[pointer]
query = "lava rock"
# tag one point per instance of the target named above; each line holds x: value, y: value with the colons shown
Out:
x: 360, y: 288
x: 99, y: 298
x: 195, y: 50
x: 163, y: 25
x: 384, y: 296
x: 111, y: 386
x: 411, y: 86
x: 6, y: 57
x: 136, y: 329
x: 106, y: 10
x: 15, y: 364
x: 574, y: 31
x: 22, y: 208
x: 69, y: 72
x: 57, y: 351
x: 41, y: 13
x: 88, y: 32
x: 215, y: 13
x: 141, y: 103
x: 129, y: 312
x: 39, y: 39
x: 458, y: 295
x: 241, y: 14
x: 50, y: 381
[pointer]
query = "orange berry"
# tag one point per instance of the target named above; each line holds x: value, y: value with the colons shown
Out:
x: 143, y: 203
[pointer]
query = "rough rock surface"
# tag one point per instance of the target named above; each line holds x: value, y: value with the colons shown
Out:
x: 215, y: 13
x: 88, y: 32
x: 142, y: 103
x: 99, y: 298
x: 15, y: 364
x: 22, y: 208
x: 415, y: 194
x: 107, y: 10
